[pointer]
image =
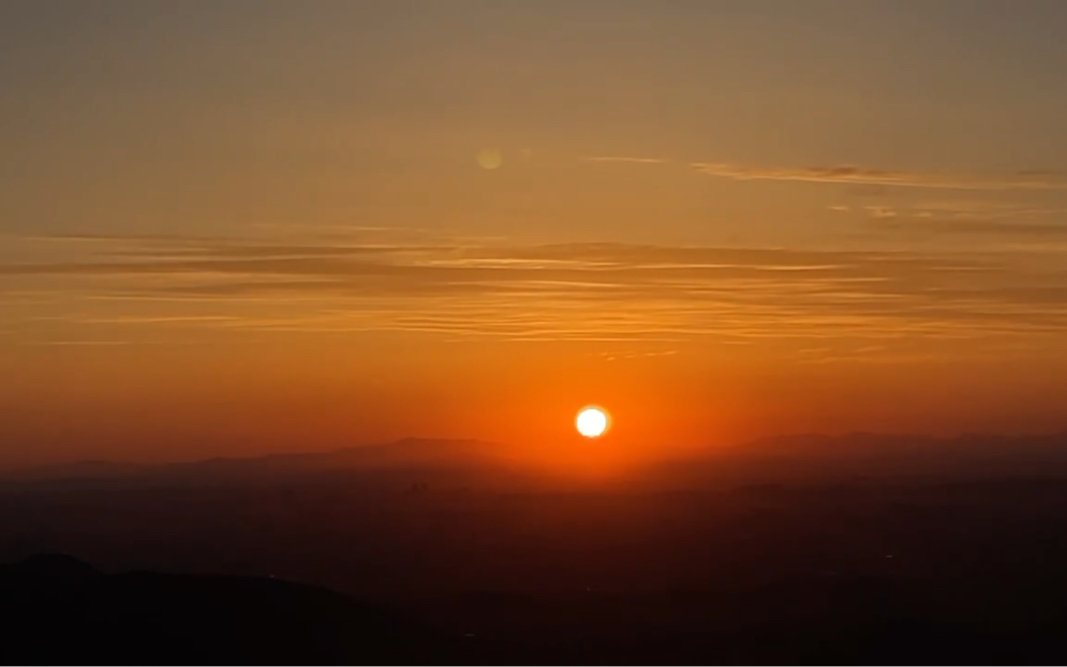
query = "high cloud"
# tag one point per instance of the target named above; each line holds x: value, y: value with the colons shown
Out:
x: 853, y: 175
x: 625, y: 159
x: 593, y: 291
x: 867, y: 180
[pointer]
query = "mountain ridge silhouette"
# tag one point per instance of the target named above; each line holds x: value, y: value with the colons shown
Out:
x: 60, y: 610
x: 852, y: 453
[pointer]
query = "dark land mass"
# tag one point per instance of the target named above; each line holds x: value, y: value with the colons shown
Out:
x: 59, y: 610
x: 860, y: 549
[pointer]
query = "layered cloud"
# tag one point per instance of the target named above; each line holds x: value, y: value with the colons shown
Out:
x: 1007, y: 221
x: 868, y: 180
x: 576, y: 292
x: 997, y: 228
x: 626, y: 159
x: 864, y: 176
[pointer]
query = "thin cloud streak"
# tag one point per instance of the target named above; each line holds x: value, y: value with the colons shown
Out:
x: 863, y: 176
x: 563, y: 292
x: 974, y: 227
x: 625, y: 159
x: 873, y: 179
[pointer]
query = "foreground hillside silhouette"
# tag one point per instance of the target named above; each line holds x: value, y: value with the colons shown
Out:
x: 856, y: 550
x: 59, y: 610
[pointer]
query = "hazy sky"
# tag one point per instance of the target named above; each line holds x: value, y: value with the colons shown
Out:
x: 232, y: 227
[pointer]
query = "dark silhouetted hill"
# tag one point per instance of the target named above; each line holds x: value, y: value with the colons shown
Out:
x: 59, y: 610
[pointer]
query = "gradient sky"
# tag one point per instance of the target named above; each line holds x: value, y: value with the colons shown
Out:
x: 239, y: 227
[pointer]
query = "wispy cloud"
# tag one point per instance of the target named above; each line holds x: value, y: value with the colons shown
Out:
x: 625, y: 159
x: 970, y: 209
x: 80, y: 343
x: 865, y: 176
x: 971, y: 217
x: 975, y: 226
x: 865, y: 181
x: 579, y: 292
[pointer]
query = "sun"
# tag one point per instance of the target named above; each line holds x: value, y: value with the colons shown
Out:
x: 592, y: 422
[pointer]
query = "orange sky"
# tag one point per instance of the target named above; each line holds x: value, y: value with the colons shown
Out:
x: 231, y: 231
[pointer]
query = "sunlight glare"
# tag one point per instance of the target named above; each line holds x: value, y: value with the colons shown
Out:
x: 592, y: 422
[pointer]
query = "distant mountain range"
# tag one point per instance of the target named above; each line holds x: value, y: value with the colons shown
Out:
x: 406, y: 454
x: 888, y: 455
x: 923, y: 451
x: 849, y: 455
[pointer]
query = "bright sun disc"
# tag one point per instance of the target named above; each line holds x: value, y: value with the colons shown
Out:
x: 592, y: 422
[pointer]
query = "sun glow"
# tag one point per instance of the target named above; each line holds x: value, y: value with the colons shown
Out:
x: 592, y: 422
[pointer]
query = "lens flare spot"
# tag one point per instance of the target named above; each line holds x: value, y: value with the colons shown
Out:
x: 489, y: 158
